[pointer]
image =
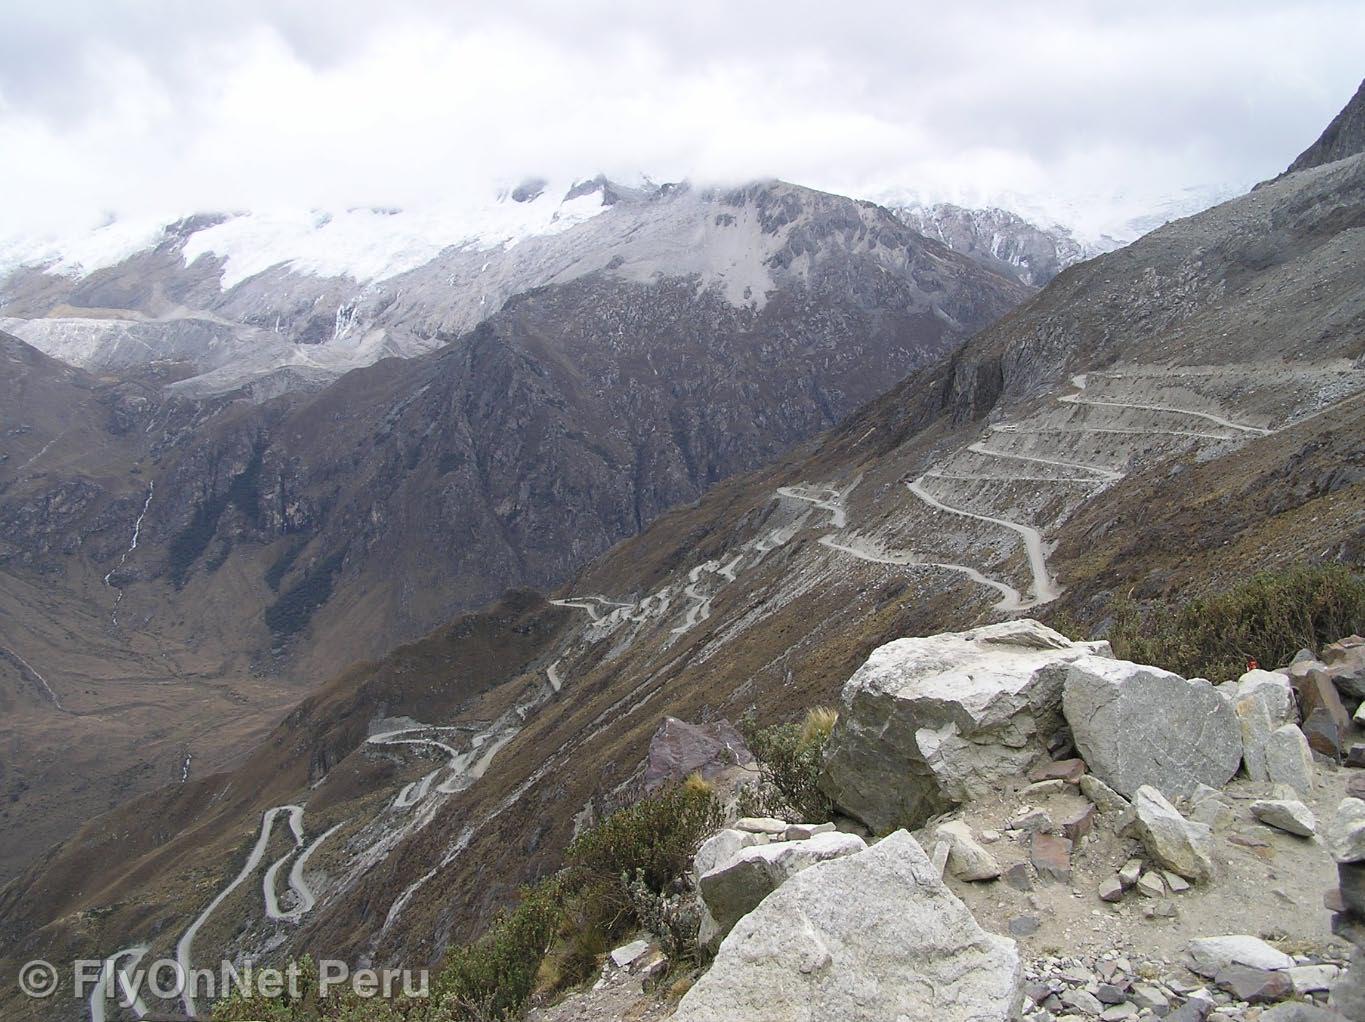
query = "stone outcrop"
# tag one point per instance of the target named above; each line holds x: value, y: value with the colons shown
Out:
x: 1138, y: 725
x: 1345, y: 662
x: 679, y: 749
x: 929, y: 723
x: 734, y: 888
x: 876, y: 935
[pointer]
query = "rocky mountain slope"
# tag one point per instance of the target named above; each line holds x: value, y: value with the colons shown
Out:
x: 1002, y: 240
x: 231, y: 548
x: 1163, y: 418
x: 1344, y: 137
x: 276, y: 302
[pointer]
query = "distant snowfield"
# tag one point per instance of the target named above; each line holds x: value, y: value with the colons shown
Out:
x: 366, y: 245
x: 1100, y: 221
x: 370, y: 245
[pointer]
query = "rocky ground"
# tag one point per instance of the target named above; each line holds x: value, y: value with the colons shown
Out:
x: 1175, y: 864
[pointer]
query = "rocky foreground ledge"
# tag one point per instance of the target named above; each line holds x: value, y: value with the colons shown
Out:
x: 1067, y: 837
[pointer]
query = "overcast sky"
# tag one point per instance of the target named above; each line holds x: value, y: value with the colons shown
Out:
x: 159, y: 106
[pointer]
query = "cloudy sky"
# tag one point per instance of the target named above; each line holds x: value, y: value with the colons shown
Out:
x: 138, y: 107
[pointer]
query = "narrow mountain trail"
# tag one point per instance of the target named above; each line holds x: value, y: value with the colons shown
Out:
x: 184, y: 949
x: 1105, y: 474
x: 33, y: 672
x: 1079, y: 382
x: 1010, y: 598
x: 1045, y: 589
x: 114, y: 983
x: 304, y: 898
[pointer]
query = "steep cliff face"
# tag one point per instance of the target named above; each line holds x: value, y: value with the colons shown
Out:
x: 1344, y: 137
x: 1156, y: 420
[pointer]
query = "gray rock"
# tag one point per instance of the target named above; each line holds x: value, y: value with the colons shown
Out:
x: 939, y: 857
x: 802, y: 831
x: 1313, y: 979
x: 1173, y: 842
x: 1111, y: 889
x: 929, y: 723
x: 735, y: 888
x: 1348, y: 996
x: 1211, y: 955
x: 762, y: 825
x: 1105, y: 798
x: 1264, y: 702
x: 1297, y: 1011
x: 1017, y: 876
x: 967, y: 859
x: 679, y: 749
x: 1137, y: 726
x: 875, y: 935
x: 1289, y: 760
x: 1345, y: 662
x: 1024, y: 926
x: 1254, y: 986
x: 1130, y: 872
x: 721, y: 848
x: 1083, y: 1001
x: 1285, y: 814
x: 1152, y: 885
x: 623, y: 956
x: 1346, y: 834
x: 1214, y: 814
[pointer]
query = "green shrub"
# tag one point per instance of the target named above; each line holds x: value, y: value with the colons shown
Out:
x: 492, y: 978
x: 627, y: 872
x: 1269, y: 618
x: 789, y: 760
x: 655, y: 837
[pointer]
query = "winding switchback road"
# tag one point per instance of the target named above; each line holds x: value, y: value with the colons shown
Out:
x: 123, y: 989
x: 1044, y: 588
x: 184, y: 950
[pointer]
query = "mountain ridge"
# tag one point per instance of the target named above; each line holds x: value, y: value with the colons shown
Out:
x: 1161, y: 418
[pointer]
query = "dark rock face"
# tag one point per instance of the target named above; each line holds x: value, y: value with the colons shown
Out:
x: 680, y: 749
x: 1344, y: 137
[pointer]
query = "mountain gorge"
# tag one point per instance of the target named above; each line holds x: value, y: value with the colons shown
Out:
x: 226, y: 547
x: 1158, y: 420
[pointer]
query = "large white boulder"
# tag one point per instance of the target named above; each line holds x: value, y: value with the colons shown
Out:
x: 722, y: 847
x: 1136, y: 725
x: 929, y: 723
x: 876, y: 935
x: 735, y: 887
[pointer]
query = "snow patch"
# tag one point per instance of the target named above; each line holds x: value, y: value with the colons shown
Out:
x: 371, y: 245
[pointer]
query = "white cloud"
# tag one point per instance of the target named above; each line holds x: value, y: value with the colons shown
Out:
x: 140, y: 108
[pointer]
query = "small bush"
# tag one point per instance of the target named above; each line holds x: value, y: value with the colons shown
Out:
x: 655, y: 837
x: 789, y: 761
x: 1268, y: 618
x: 492, y: 978
x: 674, y: 918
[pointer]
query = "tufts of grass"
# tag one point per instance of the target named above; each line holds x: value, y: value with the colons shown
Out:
x: 789, y: 758
x: 1269, y: 618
